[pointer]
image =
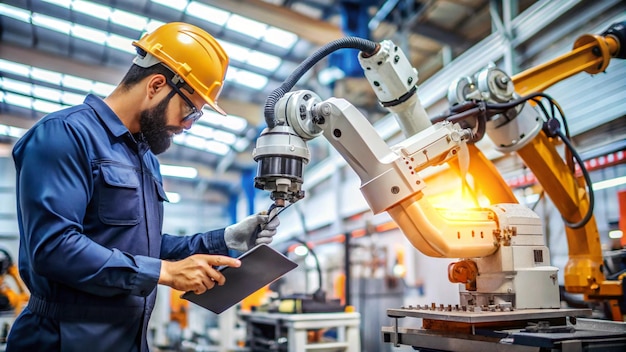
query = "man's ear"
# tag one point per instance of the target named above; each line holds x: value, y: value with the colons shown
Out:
x: 155, y: 84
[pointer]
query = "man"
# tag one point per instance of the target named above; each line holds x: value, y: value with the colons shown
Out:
x: 90, y: 203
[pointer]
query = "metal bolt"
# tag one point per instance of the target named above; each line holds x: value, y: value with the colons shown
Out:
x: 325, y: 109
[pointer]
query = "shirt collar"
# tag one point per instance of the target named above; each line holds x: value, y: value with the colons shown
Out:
x: 108, y: 117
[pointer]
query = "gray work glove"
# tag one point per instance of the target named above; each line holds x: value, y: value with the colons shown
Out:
x: 238, y: 236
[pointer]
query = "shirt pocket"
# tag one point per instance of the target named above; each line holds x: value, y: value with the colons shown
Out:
x: 120, y: 196
x: 162, y: 196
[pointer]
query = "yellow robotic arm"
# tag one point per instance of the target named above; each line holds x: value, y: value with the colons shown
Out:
x: 591, y: 54
x: 16, y: 294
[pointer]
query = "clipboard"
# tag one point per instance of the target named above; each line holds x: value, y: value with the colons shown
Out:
x: 260, y: 266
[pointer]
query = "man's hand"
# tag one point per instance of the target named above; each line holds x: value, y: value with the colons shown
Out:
x: 238, y: 236
x: 195, y: 273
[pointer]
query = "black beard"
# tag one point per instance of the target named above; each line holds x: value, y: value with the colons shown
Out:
x: 153, y: 125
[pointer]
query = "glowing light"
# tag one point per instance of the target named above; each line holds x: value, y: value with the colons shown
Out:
x: 615, y: 234
x: 301, y: 251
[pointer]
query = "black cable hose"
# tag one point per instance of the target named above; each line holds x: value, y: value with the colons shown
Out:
x: 579, y: 161
x: 500, y: 107
x: 585, y: 173
x: 367, y: 46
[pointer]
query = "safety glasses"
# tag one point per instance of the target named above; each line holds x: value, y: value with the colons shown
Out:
x: 194, y: 113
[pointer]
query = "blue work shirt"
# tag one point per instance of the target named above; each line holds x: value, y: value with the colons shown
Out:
x: 90, y: 212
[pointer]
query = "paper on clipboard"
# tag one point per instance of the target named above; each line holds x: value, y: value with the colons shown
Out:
x: 260, y: 266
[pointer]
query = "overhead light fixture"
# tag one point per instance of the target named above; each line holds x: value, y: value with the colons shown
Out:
x: 247, y: 26
x: 241, y: 144
x: 616, y: 234
x: 280, y: 37
x: 15, y: 12
x: 246, y: 78
x: 225, y: 137
x: 217, y: 147
x: 11, y: 131
x: 614, y: 182
x: 173, y: 197
x: 179, y: 171
x: 206, y: 12
x: 251, y: 57
x: 301, y: 250
x: 178, y: 5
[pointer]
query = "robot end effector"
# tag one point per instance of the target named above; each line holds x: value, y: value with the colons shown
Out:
x: 296, y: 117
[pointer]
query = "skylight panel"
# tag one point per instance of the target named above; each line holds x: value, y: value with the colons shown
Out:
x: 121, y: 43
x: 45, y: 75
x: 173, y: 4
x: 40, y: 92
x: 102, y: 89
x: 178, y: 171
x: 18, y: 100
x: 280, y: 37
x: 52, y: 23
x: 246, y: 26
x: 207, y: 13
x: 92, y: 9
x: 128, y: 19
x: 217, y: 147
x: 231, y: 122
x: 90, y: 34
x: 11, y: 131
x: 74, y: 82
x: 46, y: 106
x: 72, y: 98
x: 15, y: 13
x: 179, y: 138
x: 194, y: 141
x: 152, y: 25
x: 105, y: 13
x: 201, y: 130
x: 235, y: 52
x: 16, y: 86
x: 15, y: 68
x: 50, y: 94
x: 246, y: 78
x: 225, y: 137
x: 173, y: 197
x: 56, y: 78
x: 241, y: 144
x: 252, y: 57
x: 263, y: 60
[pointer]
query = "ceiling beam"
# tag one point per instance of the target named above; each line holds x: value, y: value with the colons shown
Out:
x: 315, y: 31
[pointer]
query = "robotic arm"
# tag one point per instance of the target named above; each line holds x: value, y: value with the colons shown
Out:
x: 390, y: 179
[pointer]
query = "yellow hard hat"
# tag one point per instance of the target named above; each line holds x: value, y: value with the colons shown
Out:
x: 192, y: 53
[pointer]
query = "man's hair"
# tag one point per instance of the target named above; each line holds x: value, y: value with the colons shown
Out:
x: 136, y: 73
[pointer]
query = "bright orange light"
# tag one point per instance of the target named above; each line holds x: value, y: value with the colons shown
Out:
x: 458, y: 199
